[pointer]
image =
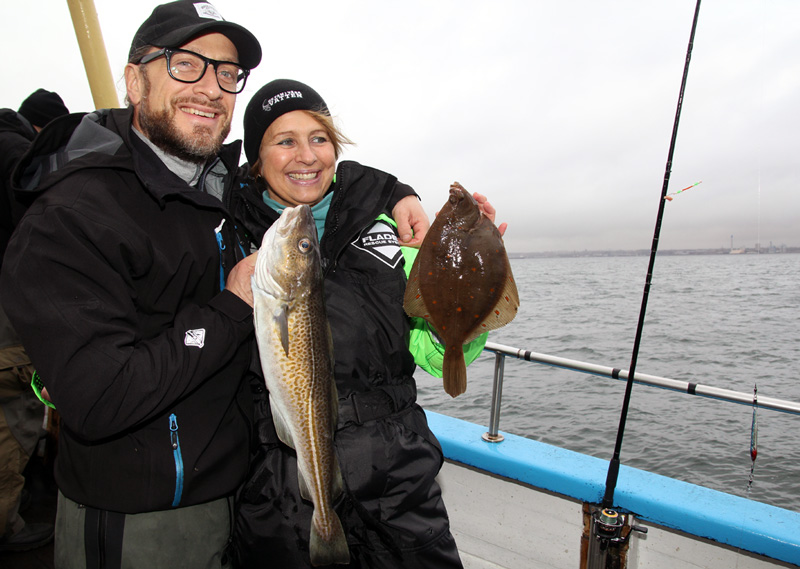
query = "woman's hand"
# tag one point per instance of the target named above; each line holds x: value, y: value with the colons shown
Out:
x: 412, y: 221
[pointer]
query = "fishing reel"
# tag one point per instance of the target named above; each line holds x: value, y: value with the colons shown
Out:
x: 609, y: 528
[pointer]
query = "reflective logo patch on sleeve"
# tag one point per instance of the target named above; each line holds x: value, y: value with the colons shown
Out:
x: 195, y: 338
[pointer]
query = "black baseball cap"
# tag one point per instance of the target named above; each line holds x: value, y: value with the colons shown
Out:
x: 176, y: 23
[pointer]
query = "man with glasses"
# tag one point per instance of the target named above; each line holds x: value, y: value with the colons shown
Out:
x: 131, y: 293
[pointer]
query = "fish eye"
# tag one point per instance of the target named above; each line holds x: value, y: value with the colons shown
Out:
x: 304, y: 245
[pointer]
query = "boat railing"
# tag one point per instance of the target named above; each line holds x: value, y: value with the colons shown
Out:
x: 501, y: 352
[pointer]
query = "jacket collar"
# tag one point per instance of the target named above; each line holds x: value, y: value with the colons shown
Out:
x: 105, y: 139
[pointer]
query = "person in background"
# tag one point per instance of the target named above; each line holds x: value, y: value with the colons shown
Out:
x: 17, y: 130
x: 129, y: 290
x: 21, y: 413
x: 392, y: 509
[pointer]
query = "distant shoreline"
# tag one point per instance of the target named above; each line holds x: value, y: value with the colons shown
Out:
x: 646, y: 252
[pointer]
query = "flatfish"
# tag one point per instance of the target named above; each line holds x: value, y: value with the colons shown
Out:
x: 461, y: 282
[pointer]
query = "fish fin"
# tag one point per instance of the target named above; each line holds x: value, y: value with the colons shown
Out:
x: 337, y: 484
x: 284, y: 434
x: 510, y: 290
x: 281, y: 317
x: 504, y: 311
x: 454, y: 371
x: 305, y: 491
x: 413, y: 303
x: 332, y: 550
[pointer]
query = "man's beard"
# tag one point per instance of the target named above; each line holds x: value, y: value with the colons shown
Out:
x: 159, y: 127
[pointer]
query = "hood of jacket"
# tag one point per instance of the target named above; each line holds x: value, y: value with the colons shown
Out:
x: 100, y: 139
x: 12, y: 121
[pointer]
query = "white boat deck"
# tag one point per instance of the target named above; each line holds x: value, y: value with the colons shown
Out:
x: 519, y: 504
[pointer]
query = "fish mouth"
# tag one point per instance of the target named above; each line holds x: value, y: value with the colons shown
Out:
x: 293, y: 215
x: 458, y: 193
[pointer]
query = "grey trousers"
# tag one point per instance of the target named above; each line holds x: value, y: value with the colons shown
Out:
x: 195, y: 537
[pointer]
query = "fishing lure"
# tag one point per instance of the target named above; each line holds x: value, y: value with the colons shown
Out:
x: 669, y: 197
x: 753, y: 436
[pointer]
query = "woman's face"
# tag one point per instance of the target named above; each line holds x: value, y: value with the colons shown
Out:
x: 298, y: 159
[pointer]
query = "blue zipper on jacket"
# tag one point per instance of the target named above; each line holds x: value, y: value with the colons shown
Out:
x: 176, y: 453
x: 222, y: 247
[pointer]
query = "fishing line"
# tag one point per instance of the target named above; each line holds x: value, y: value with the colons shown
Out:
x: 669, y: 197
x: 613, y: 466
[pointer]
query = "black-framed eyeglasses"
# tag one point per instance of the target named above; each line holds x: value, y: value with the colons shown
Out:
x: 189, y: 67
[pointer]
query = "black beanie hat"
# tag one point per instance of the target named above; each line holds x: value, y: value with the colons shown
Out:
x: 274, y: 99
x: 174, y: 24
x: 42, y: 106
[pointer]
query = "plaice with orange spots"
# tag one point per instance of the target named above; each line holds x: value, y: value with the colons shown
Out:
x: 461, y: 282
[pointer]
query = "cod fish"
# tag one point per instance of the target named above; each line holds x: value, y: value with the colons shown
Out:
x: 296, y: 353
x: 461, y: 282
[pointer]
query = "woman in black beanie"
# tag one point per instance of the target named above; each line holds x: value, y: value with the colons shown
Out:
x: 392, y: 509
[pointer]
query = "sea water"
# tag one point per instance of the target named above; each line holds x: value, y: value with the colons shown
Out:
x: 727, y: 321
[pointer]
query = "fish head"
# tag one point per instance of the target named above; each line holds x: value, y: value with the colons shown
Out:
x: 460, y: 206
x: 289, y: 259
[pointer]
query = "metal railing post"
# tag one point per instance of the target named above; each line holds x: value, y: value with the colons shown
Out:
x: 493, y: 436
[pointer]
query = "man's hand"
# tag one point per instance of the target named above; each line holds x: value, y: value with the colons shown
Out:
x: 238, y: 281
x: 412, y: 221
x: 488, y: 210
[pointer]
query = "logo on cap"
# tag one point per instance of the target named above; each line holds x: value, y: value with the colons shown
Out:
x: 268, y: 103
x: 206, y: 10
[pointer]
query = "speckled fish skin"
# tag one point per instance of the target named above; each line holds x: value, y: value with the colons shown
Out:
x: 296, y: 354
x: 461, y: 282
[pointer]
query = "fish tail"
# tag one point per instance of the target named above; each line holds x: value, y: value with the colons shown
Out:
x: 454, y: 371
x: 332, y: 550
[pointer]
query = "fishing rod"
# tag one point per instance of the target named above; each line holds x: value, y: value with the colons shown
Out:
x: 613, y: 465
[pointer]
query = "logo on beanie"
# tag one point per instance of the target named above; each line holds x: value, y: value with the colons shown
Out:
x: 206, y: 10
x: 380, y: 241
x: 268, y: 103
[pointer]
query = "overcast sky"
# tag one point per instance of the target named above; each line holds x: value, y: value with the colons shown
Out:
x: 560, y: 111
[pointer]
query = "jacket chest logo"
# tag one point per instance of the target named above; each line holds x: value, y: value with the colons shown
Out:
x: 380, y: 241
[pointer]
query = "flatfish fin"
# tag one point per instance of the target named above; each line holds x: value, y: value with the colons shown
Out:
x: 413, y: 302
x: 503, y: 312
